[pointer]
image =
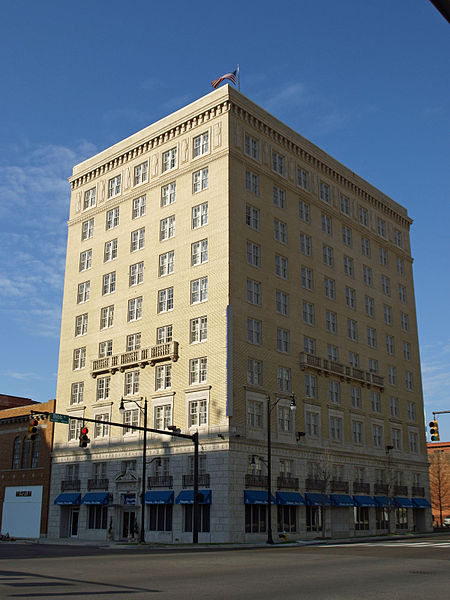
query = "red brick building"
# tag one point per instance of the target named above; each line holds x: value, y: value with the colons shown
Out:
x: 25, y: 468
x: 439, y: 458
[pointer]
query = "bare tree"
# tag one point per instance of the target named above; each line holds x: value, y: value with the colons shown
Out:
x: 439, y: 482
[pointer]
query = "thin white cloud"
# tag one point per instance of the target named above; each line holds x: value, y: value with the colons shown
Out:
x: 435, y: 374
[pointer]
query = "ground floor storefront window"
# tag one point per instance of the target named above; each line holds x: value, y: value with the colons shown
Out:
x: 286, y: 517
x: 203, y: 514
x: 255, y: 518
x: 401, y: 518
x: 160, y: 517
x: 314, y: 518
x: 382, y: 517
x: 361, y: 518
x: 98, y: 517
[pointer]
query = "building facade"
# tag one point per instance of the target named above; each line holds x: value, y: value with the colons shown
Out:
x: 439, y: 459
x: 217, y: 261
x: 25, y: 469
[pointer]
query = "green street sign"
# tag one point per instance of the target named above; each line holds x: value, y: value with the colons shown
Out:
x: 58, y: 418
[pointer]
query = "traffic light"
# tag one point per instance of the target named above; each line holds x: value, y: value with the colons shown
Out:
x: 84, y: 440
x: 32, y: 432
x: 434, y: 431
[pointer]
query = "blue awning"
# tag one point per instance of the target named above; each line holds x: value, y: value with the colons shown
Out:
x: 290, y: 498
x: 257, y: 497
x: 421, y: 503
x: 316, y: 500
x: 364, y: 501
x: 68, y: 499
x: 159, y: 497
x: 96, y: 498
x: 187, y: 497
x: 402, y: 502
x: 342, y: 500
x: 381, y: 500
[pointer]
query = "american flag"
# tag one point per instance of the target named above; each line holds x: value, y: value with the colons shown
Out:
x: 230, y: 76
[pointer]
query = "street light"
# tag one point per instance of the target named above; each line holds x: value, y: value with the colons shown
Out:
x: 269, y: 462
x: 144, y: 462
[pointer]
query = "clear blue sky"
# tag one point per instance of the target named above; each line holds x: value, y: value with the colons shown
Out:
x: 366, y: 81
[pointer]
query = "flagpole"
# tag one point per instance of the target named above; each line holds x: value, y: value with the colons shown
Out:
x: 239, y: 78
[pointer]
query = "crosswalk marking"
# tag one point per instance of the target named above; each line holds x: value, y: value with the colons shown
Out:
x: 395, y: 543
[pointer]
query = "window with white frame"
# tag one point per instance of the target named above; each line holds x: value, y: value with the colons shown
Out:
x: 350, y: 297
x: 137, y: 239
x: 394, y: 407
x: 352, y: 329
x: 324, y: 192
x: 404, y: 321
x: 81, y: 324
x: 168, y: 193
x: 375, y: 401
x: 355, y: 396
x: 278, y: 163
x: 332, y: 352
x: 89, y: 200
x: 371, y: 337
x: 133, y: 342
x: 402, y: 293
x: 199, y: 329
x: 77, y: 393
x: 105, y: 349
x: 164, y: 334
x: 198, y: 413
x: 162, y: 416
x: 303, y: 178
x: 112, y: 218
x: 141, y: 173
x: 413, y: 440
x: 387, y: 313
x: 406, y: 350
x: 252, y: 182
x: 365, y: 247
x: 279, y: 197
x: 353, y: 359
x: 390, y: 344
x: 398, y: 238
x: 312, y: 422
x: 199, y: 252
x: 331, y: 321
x: 169, y: 160
x: 381, y: 227
x: 87, y: 229
x: 306, y: 278
x: 254, y: 292
x: 74, y: 433
x: 392, y: 375
x: 139, y: 205
x: 103, y: 387
x: 308, y: 312
x: 254, y: 331
x: 79, y: 358
x: 83, y: 293
x: 305, y: 244
x: 130, y: 418
x: 347, y: 235
x: 283, y: 340
x: 165, y: 300
x: 349, y: 268
x: 114, y: 186
x: 385, y: 285
x: 101, y: 429
x: 135, y: 309
x: 345, y: 205
x: 411, y: 406
x: 373, y: 365
x: 199, y: 215
x: 281, y: 266
x: 400, y: 266
x: 377, y: 435
x: 199, y: 290
x: 197, y: 370
x: 311, y: 386
x: 85, y: 260
x: 334, y: 392
x: 200, y: 180
x: 409, y: 381
x: 109, y: 283
x: 285, y: 418
x: 329, y: 288
x: 336, y: 429
x: 364, y: 216
x: 131, y: 386
x: 200, y: 144
x: 166, y: 263
x: 167, y: 228
x: 251, y: 146
x: 255, y: 414
x: 280, y: 231
x: 110, y: 252
x: 367, y: 275
x: 384, y: 257
x: 252, y: 217
x: 282, y: 303
x: 326, y: 224
x: 254, y: 371
x: 304, y: 211
x: 309, y: 344
x: 107, y: 317
x: 357, y: 432
x: 284, y: 379
x: 396, y: 438
x: 163, y: 377
x: 328, y: 255
x: 253, y: 254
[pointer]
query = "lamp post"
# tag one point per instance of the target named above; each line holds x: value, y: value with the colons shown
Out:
x: 144, y: 463
x: 269, y: 462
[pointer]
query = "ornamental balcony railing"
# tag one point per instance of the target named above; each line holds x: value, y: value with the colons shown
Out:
x: 361, y: 488
x: 163, y: 481
x: 327, y: 367
x: 73, y: 485
x: 418, y: 490
x: 339, y: 486
x: 380, y: 488
x: 286, y: 482
x: 97, y: 484
x: 135, y: 358
x: 188, y: 480
x: 254, y: 480
x: 315, y: 484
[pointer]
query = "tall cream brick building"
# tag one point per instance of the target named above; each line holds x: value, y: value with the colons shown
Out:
x: 218, y: 261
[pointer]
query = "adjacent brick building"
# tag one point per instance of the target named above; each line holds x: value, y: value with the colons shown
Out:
x: 439, y: 459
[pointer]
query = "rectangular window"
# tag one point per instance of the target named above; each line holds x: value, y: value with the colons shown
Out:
x: 390, y: 344
x: 330, y: 288
x: 199, y: 290
x: 367, y: 275
x: 373, y: 365
x: 105, y: 349
x: 109, y: 283
x: 280, y: 231
x: 164, y: 334
x: 254, y: 331
x: 135, y: 309
x: 199, y: 330
x: 365, y: 247
x: 278, y: 163
x: 350, y: 297
x: 327, y: 224
x: 284, y: 419
x: 402, y: 293
x: 311, y: 386
x: 375, y: 401
x: 97, y: 517
x: 130, y: 417
x: 169, y: 160
x: 84, y: 290
x: 347, y: 236
x: 114, y: 186
x: 254, y: 371
x: 308, y: 312
x: 381, y: 227
x: 112, y: 218
x: 81, y: 324
x: 324, y: 192
x: 400, y: 266
x: 328, y: 255
x: 336, y: 429
x: 138, y: 207
x: 281, y: 266
x: 283, y: 379
x: 394, y: 407
x: 160, y: 517
x: 252, y: 217
x: 303, y: 178
x: 309, y: 345
x: 396, y: 438
x: 387, y: 313
x: 103, y: 388
x: 364, y: 216
x: 283, y: 340
x: 133, y: 342
x: 165, y: 300
x: 168, y: 193
x: 199, y: 215
x: 346, y: 206
x: 404, y: 321
x: 200, y: 180
x: 110, y: 250
x: 199, y: 252
x: 352, y: 330
x: 252, y: 182
x: 385, y: 285
x: 166, y: 263
x: 398, y: 238
x: 200, y: 144
x: 279, y: 197
x: 198, y: 413
x: 312, y: 423
x: 377, y: 436
x: 334, y: 392
x: 79, y: 358
x: 251, y: 146
x: 353, y: 359
x: 304, y: 211
x: 409, y: 381
x: 384, y: 258
x: 162, y: 419
x: 254, y: 292
x: 371, y: 337
x: 107, y: 317
x: 253, y: 254
x: 411, y: 411
x: 406, y: 350
x: 137, y: 239
x: 87, y: 229
x: 355, y: 396
x: 331, y: 321
x: 131, y: 383
x: 305, y: 244
x: 141, y: 173
x: 89, y: 198
x: 332, y: 352
x: 357, y: 432
x: 255, y: 414
x: 306, y: 278
x: 349, y: 268
x: 282, y: 303
x: 85, y: 260
x: 163, y: 377
x: 167, y: 228
x: 77, y: 393
x: 136, y: 274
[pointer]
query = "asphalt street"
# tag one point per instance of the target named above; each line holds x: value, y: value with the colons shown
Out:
x: 373, y: 570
